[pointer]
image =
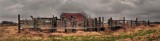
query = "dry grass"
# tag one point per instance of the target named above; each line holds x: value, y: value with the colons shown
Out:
x: 141, y: 33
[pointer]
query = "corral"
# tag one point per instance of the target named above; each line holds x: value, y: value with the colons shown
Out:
x: 69, y: 22
x: 72, y: 22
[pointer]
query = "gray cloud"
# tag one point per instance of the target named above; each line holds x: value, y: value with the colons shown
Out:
x: 142, y: 9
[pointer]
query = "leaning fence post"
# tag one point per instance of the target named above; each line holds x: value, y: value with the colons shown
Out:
x: 34, y: 22
x: 19, y: 24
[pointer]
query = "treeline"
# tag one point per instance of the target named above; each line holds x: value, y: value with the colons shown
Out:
x: 155, y: 22
x: 8, y: 23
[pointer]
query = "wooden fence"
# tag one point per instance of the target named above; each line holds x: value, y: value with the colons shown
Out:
x: 124, y: 22
x: 54, y: 23
x: 88, y: 24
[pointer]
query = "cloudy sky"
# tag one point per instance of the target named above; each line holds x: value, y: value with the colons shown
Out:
x: 142, y: 9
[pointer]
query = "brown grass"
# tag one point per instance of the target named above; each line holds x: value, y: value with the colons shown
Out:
x: 11, y: 32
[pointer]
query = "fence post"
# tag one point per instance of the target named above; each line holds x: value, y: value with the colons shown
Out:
x: 95, y: 22
x: 124, y: 21
x: 131, y: 23
x: 102, y: 21
x: 87, y: 23
x: 99, y: 22
x: 84, y: 23
x: 92, y: 23
x: 53, y: 22
x: 116, y: 22
x: 136, y: 21
x: 110, y: 22
x: 19, y: 24
x: 34, y: 24
x: 148, y: 22
x: 144, y: 23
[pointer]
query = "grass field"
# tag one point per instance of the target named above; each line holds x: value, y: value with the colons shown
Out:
x: 9, y: 33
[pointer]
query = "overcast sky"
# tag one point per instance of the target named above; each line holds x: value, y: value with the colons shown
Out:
x: 142, y: 9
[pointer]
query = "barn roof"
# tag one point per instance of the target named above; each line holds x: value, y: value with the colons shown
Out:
x: 74, y: 14
x: 79, y: 16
